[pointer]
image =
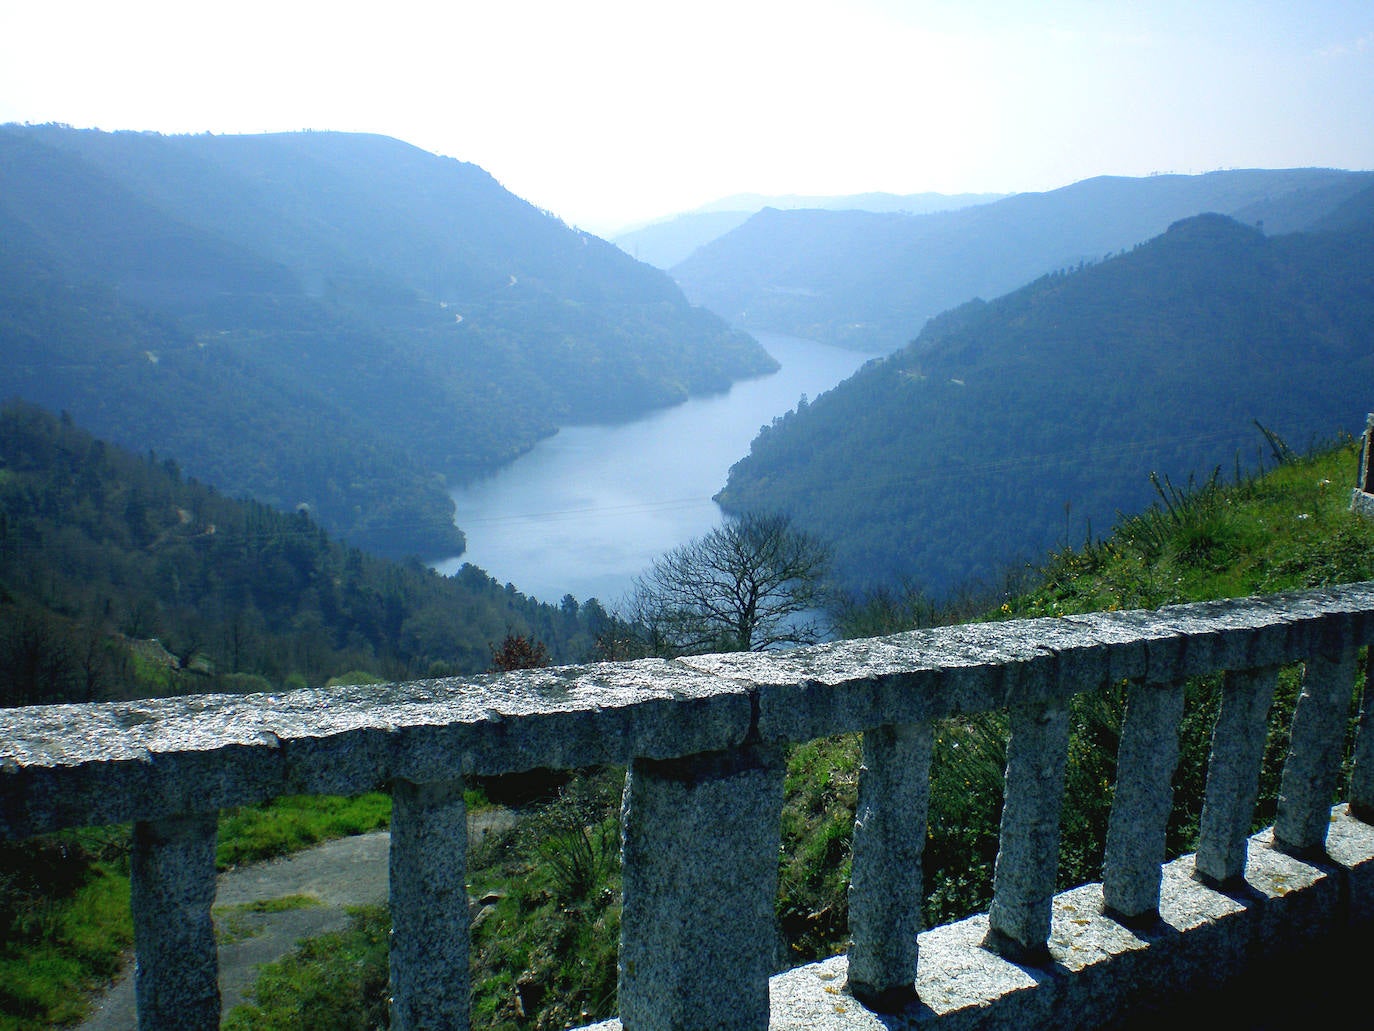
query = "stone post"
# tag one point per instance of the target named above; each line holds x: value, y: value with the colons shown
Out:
x: 1312, y: 769
x: 1145, y: 761
x: 699, y: 865
x: 1233, y: 772
x: 1362, y: 776
x: 1028, y: 845
x: 885, y: 885
x: 429, y: 907
x: 176, y: 971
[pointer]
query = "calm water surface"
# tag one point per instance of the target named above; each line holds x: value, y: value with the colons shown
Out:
x: 588, y: 509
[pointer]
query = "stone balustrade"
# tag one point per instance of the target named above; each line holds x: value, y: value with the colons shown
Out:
x: 702, y: 740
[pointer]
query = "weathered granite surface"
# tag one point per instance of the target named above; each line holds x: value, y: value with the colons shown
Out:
x: 1100, y: 969
x: 685, y: 729
x: 700, y: 861
x: 429, y: 906
x: 927, y: 674
x: 68, y: 765
x: 885, y: 881
x: 76, y: 765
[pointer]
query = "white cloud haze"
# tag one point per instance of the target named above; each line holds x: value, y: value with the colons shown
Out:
x: 613, y: 111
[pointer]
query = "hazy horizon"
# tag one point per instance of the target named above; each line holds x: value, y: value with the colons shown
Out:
x: 615, y: 113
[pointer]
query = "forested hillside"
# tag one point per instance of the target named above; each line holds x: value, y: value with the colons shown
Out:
x: 1012, y: 427
x: 338, y: 320
x: 121, y: 577
x: 871, y: 280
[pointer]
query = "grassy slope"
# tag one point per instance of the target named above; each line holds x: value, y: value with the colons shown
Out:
x: 1289, y: 529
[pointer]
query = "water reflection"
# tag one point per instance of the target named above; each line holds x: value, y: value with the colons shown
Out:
x: 587, y: 510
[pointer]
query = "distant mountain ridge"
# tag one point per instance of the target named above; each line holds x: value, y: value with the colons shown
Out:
x: 871, y: 280
x: 329, y: 319
x: 1012, y: 427
x: 669, y: 241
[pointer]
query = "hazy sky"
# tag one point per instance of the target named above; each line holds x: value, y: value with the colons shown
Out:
x: 608, y: 112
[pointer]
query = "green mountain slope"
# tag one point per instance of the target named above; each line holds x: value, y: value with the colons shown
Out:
x: 871, y: 280
x: 1011, y: 427
x: 103, y: 551
x: 337, y: 320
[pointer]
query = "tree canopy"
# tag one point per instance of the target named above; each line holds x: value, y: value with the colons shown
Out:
x: 747, y: 585
x: 121, y: 578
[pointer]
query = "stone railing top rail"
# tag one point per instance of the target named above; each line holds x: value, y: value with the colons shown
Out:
x: 75, y: 765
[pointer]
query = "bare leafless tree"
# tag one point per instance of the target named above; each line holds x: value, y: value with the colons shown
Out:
x: 749, y: 584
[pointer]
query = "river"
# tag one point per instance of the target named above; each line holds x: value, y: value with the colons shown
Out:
x: 588, y: 509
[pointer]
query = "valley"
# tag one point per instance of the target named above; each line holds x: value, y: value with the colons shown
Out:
x: 588, y: 509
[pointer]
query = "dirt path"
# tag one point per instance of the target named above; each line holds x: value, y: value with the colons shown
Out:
x: 338, y: 874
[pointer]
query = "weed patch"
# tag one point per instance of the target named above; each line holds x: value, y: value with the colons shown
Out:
x: 335, y: 982
x: 284, y: 825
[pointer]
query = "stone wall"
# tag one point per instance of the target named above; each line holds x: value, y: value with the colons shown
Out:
x: 702, y: 738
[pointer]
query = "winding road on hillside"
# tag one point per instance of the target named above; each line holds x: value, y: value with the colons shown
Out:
x: 335, y: 875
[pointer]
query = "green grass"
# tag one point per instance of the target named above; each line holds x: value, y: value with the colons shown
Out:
x: 821, y: 788
x: 354, y: 677
x: 249, y: 834
x: 150, y: 678
x: 334, y: 982
x: 64, y: 910
x: 1287, y: 530
x: 65, y: 927
x: 544, y: 949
